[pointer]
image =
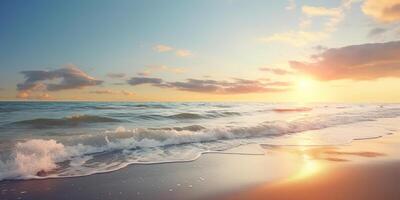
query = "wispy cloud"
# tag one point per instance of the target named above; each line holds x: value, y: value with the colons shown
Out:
x: 127, y: 93
x: 276, y: 71
x: 183, y: 53
x: 291, y: 5
x: 102, y: 92
x: 108, y: 92
x: 178, y: 52
x: 162, y: 48
x: 152, y: 69
x: 235, y: 86
x: 313, y: 11
x: 302, y: 36
x: 377, y: 31
x: 116, y: 75
x: 296, y: 38
x: 356, y: 62
x: 144, y: 80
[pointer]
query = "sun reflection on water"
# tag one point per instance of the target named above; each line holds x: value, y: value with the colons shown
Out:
x: 308, y: 167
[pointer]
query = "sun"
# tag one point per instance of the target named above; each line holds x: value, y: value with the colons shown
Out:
x: 304, y: 84
x: 306, y: 90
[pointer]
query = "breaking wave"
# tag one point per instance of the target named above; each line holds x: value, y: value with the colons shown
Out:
x: 49, y: 158
x: 147, y: 133
x: 191, y: 116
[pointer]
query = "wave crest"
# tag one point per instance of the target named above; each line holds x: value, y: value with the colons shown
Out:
x: 66, y: 121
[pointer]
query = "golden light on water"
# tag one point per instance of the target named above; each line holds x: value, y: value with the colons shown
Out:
x: 309, y: 168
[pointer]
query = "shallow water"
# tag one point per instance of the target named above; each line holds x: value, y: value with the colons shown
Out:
x: 63, y: 139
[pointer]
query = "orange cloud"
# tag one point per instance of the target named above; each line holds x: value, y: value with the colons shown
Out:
x: 162, y: 48
x: 178, y: 52
x: 123, y: 92
x: 382, y: 10
x: 183, y: 53
x: 321, y: 11
x: 237, y: 86
x: 356, y: 62
x: 276, y: 71
x: 151, y: 69
x: 29, y: 95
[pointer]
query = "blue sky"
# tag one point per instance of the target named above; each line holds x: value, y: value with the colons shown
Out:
x: 224, y: 38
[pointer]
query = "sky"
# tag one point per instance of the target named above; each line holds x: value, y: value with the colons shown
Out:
x: 200, y: 50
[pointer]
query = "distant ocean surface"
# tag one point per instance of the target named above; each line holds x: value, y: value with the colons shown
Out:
x: 65, y: 139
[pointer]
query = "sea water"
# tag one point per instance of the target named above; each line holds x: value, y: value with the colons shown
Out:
x: 65, y: 139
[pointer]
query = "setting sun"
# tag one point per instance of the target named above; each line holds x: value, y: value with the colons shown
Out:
x: 305, y: 84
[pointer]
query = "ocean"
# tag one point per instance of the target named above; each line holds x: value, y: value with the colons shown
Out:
x: 68, y: 139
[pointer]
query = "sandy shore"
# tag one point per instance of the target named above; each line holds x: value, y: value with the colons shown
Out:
x: 366, y: 169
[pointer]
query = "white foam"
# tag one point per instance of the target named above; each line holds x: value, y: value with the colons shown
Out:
x: 33, y: 156
x: 147, y: 146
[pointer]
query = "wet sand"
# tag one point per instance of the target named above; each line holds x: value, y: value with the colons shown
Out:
x: 366, y: 169
x: 358, y: 182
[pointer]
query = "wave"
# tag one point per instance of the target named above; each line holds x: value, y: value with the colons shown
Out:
x: 80, y: 155
x: 186, y: 116
x: 157, y: 106
x: 193, y: 128
x: 66, y: 121
x: 39, y: 158
x: 190, y: 116
x: 302, y: 109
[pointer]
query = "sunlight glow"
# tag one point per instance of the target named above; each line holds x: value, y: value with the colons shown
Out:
x: 308, y: 168
x: 306, y: 90
x: 305, y: 84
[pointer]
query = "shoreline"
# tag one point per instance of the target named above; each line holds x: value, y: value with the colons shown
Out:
x: 224, y: 176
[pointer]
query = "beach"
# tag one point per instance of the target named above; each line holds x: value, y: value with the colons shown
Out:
x: 355, y: 172
x: 364, y: 169
x: 200, y: 100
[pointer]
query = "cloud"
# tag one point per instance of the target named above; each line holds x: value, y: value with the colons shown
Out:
x: 312, y: 11
x: 276, y: 71
x: 183, y: 53
x: 356, y: 62
x: 376, y: 31
x: 382, y: 10
x: 144, y: 80
x: 291, y: 5
x: 162, y: 48
x: 123, y: 92
x: 178, y: 52
x: 40, y: 81
x: 236, y: 86
x: 302, y: 36
x: 127, y: 93
x: 116, y: 75
x: 23, y: 95
x: 151, y: 69
x: 70, y: 78
x: 102, y: 92
x: 296, y: 38
x: 28, y: 95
